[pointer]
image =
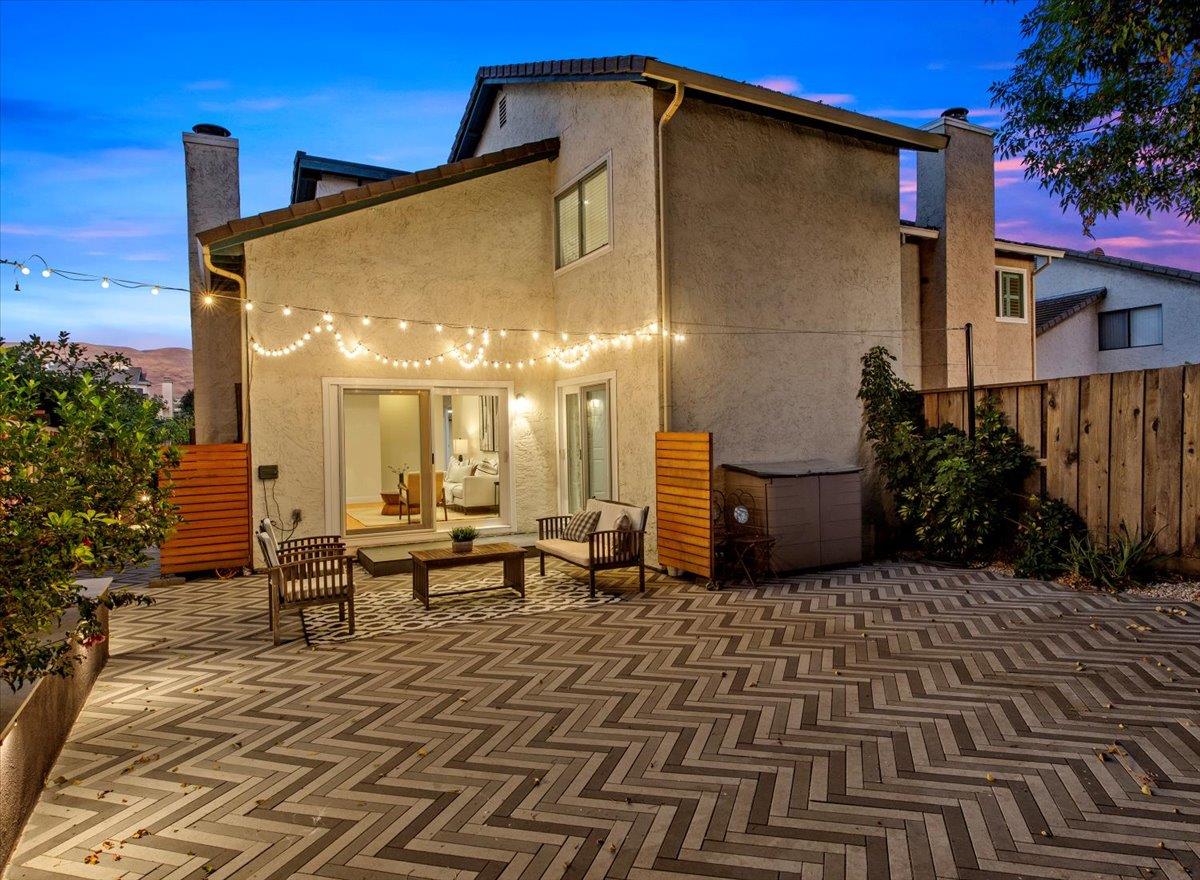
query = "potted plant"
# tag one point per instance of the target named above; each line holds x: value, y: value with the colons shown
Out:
x: 463, y: 538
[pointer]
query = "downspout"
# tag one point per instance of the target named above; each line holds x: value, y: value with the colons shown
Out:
x: 243, y: 322
x: 664, y: 293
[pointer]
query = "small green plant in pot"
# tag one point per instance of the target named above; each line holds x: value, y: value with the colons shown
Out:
x: 463, y: 538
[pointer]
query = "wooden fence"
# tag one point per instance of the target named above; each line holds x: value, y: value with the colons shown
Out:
x: 683, y: 473
x: 1117, y: 447
x: 211, y: 488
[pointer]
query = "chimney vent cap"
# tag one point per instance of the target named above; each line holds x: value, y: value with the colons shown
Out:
x: 956, y: 113
x: 210, y: 128
x: 1097, y: 251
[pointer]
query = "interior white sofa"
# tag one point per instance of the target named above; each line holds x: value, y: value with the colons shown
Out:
x: 466, y: 488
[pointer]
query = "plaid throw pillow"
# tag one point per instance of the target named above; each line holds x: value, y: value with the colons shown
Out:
x: 581, y: 525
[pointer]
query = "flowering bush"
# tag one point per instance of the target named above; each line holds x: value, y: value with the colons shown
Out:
x: 80, y: 454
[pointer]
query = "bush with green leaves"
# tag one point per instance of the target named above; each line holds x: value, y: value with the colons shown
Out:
x: 956, y: 497
x: 80, y: 454
x: 1113, y: 564
x: 1044, y: 537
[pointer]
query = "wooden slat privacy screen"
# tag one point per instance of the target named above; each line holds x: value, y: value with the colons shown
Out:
x: 1117, y: 447
x: 683, y: 473
x: 212, y: 491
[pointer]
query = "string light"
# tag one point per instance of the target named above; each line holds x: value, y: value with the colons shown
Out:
x: 154, y: 290
x: 287, y: 311
x: 24, y: 270
x: 104, y: 283
x: 249, y: 306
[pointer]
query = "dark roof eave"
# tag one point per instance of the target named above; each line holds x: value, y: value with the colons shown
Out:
x: 229, y: 237
x: 1081, y: 300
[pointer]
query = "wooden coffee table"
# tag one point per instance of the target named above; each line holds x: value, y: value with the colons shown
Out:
x: 511, y: 555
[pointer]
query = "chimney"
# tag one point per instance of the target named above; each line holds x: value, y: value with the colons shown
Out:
x: 956, y: 193
x: 210, y: 158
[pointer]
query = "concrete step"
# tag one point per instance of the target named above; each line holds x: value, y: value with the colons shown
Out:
x: 394, y: 559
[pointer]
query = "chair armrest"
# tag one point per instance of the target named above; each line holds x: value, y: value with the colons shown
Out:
x: 615, y: 545
x: 551, y: 526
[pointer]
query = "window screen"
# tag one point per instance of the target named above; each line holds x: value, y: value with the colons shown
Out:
x: 582, y: 217
x: 1114, y: 330
x: 1010, y: 294
x: 1131, y: 328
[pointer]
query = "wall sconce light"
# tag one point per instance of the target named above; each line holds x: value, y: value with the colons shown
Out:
x: 522, y: 404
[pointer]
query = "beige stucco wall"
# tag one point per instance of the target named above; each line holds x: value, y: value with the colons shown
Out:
x: 1072, y: 347
x: 775, y: 226
x: 475, y: 252
x: 910, y: 312
x: 1008, y: 355
x: 616, y: 289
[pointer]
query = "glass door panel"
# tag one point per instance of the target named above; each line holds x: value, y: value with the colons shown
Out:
x: 597, y: 443
x: 386, y: 460
x: 572, y: 430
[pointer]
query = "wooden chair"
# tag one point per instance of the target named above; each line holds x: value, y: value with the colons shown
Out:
x: 331, y: 543
x: 605, y: 548
x: 312, y: 574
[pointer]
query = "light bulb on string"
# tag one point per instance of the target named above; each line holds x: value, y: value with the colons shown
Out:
x: 154, y: 290
x: 327, y: 318
x: 249, y: 306
x: 437, y: 328
x: 287, y: 311
x: 47, y: 272
x: 104, y: 283
x: 365, y: 320
x: 24, y: 269
x: 208, y: 299
x: 404, y: 325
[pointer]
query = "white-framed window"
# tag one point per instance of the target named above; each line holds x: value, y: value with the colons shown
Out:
x: 1131, y: 328
x: 1011, y: 293
x: 581, y: 217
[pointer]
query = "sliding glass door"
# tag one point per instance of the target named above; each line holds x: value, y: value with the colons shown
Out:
x: 387, y: 477
x: 586, y: 444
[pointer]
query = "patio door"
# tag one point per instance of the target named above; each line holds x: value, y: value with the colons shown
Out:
x: 386, y: 460
x: 586, y: 467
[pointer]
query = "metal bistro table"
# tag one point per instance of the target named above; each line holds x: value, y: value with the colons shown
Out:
x: 511, y: 555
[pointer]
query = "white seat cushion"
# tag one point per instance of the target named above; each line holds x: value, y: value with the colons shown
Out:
x: 611, y: 512
x: 573, y: 551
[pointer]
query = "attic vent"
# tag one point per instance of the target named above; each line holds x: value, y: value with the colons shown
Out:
x: 503, y: 110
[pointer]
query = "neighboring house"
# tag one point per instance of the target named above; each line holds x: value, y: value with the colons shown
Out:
x: 616, y: 246
x: 316, y: 176
x: 1102, y: 314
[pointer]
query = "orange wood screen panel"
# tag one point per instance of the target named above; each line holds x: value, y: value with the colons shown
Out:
x: 683, y: 471
x: 211, y: 488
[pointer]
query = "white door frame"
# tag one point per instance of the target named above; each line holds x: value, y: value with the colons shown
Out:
x: 560, y: 441
x: 331, y: 388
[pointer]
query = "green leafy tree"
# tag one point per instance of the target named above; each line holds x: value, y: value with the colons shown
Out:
x: 956, y: 497
x: 1103, y: 105
x: 80, y: 455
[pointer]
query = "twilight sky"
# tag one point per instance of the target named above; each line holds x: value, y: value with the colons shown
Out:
x: 93, y: 97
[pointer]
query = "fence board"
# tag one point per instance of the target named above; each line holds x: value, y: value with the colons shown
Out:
x: 1163, y: 457
x: 1125, y: 455
x: 1062, y: 440
x: 1095, y: 400
x: 683, y: 494
x: 211, y: 488
x: 1190, y: 514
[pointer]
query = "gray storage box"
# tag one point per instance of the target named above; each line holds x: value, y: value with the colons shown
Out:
x: 813, y: 509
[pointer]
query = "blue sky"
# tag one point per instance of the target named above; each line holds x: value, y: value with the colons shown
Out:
x: 93, y: 97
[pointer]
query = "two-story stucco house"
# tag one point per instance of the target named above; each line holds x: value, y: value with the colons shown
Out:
x: 1104, y: 314
x: 616, y: 246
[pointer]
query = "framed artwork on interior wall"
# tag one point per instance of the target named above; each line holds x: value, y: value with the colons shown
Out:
x: 488, y: 404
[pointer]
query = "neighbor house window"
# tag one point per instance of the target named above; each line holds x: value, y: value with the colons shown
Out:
x: 1131, y: 328
x: 1010, y: 294
x: 581, y: 216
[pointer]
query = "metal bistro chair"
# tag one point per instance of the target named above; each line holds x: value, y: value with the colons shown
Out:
x: 747, y: 548
x: 311, y: 571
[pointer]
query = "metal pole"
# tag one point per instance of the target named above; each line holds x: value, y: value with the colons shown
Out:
x: 970, y: 385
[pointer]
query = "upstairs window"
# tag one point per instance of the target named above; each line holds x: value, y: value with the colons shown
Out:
x: 1010, y: 295
x: 581, y: 217
x: 1131, y: 328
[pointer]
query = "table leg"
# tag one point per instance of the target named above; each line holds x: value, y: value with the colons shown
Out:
x: 514, y: 574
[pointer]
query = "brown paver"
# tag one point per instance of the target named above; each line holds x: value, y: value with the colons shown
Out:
x: 837, y: 725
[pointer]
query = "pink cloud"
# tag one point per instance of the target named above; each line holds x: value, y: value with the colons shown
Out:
x: 787, y: 84
x: 1015, y: 164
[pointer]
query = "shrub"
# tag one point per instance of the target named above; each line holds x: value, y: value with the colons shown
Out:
x: 464, y: 533
x: 80, y: 452
x: 955, y: 496
x: 1044, y: 538
x: 1114, y: 565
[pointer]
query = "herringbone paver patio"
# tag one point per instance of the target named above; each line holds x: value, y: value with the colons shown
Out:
x: 891, y: 721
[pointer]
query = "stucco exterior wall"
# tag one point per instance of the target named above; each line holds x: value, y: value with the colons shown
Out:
x: 1073, y: 347
x: 615, y: 289
x: 771, y: 225
x: 1009, y: 353
x: 910, y: 312
x: 477, y: 252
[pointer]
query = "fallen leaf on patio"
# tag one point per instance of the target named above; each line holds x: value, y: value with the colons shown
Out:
x: 422, y: 752
x: 91, y: 859
x: 1146, y: 791
x: 990, y: 777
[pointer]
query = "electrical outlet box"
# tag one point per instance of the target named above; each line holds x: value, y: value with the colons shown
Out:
x: 268, y: 472
x: 296, y: 516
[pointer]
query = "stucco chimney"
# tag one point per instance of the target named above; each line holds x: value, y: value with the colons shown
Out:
x: 956, y: 193
x: 210, y: 159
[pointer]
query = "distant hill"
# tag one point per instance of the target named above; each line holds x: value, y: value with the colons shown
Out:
x: 161, y: 364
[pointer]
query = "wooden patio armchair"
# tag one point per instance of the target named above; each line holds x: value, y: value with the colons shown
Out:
x: 604, y: 549
x: 313, y: 544
x: 313, y: 574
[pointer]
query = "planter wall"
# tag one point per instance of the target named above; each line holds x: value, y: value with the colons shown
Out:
x: 36, y: 723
